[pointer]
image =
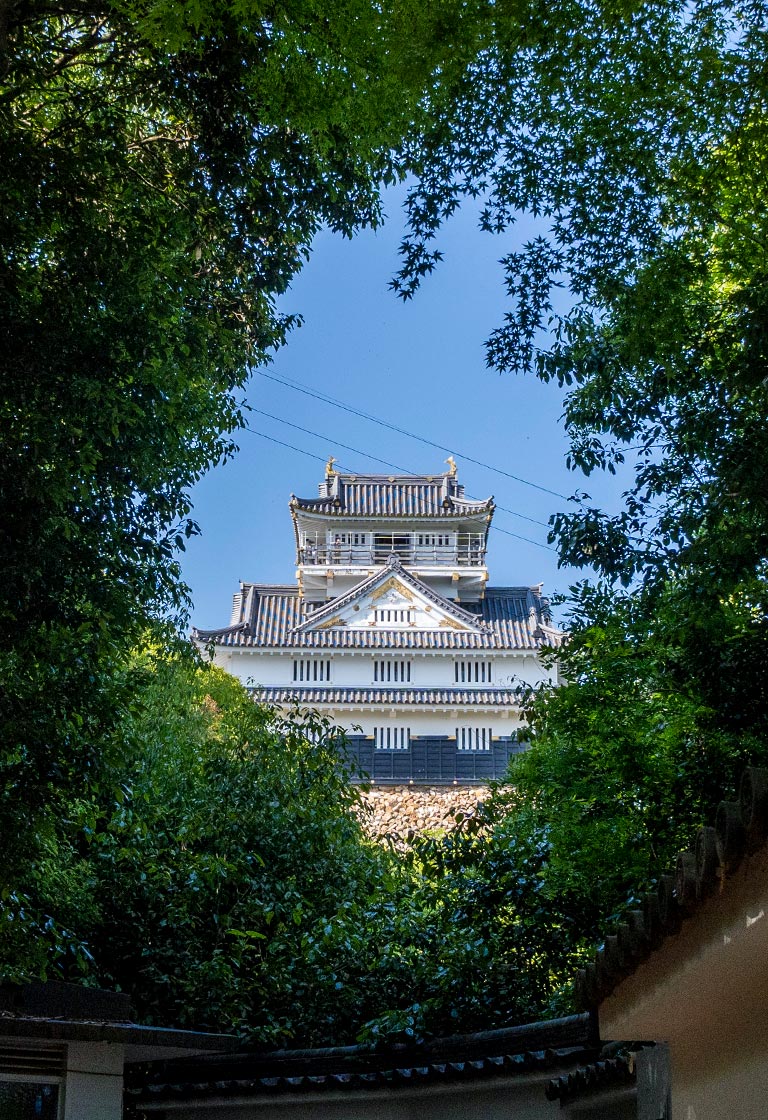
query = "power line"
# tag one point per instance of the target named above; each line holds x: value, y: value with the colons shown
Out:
x: 374, y: 458
x: 517, y: 536
x: 403, y: 432
x: 328, y: 439
x: 321, y: 459
x: 282, y: 443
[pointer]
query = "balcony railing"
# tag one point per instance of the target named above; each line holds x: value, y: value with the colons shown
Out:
x: 354, y: 555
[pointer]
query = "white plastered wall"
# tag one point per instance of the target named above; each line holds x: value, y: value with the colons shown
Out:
x: 705, y: 992
x: 94, y: 1084
x: 356, y: 669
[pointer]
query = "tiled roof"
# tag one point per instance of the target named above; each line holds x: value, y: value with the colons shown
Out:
x: 52, y: 1011
x: 606, y: 1073
x: 394, y: 566
x: 392, y: 496
x: 290, y: 694
x: 267, y: 617
x: 741, y: 828
x: 536, y: 1047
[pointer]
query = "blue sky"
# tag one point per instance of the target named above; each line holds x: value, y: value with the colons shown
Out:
x: 418, y: 365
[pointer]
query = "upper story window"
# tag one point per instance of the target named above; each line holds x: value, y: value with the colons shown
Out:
x: 347, y: 547
x: 392, y: 672
x: 434, y: 540
x: 311, y: 670
x: 472, y: 672
x: 384, y: 544
x: 332, y: 547
x: 388, y: 616
x: 353, y: 540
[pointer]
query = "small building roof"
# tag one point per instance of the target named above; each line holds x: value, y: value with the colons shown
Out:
x: 698, y: 883
x: 53, y: 1012
x: 392, y: 496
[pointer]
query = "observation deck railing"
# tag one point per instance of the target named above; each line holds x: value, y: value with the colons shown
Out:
x: 350, y: 555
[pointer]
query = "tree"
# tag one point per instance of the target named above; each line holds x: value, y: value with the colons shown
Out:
x: 636, y: 133
x: 163, y: 169
x: 223, y: 879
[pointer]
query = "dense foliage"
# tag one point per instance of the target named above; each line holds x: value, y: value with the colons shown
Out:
x: 638, y: 136
x: 636, y: 132
x: 225, y: 881
x: 163, y: 168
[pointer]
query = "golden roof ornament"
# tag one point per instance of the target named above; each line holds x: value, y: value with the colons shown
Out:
x: 329, y: 471
x: 452, y: 466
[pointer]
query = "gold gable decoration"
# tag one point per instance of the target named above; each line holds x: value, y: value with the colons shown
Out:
x: 453, y: 623
x: 337, y: 621
x: 393, y: 583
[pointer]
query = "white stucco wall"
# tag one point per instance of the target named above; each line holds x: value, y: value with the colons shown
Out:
x: 421, y: 722
x: 356, y: 669
x: 94, y: 1083
x: 705, y: 993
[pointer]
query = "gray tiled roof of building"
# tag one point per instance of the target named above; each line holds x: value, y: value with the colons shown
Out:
x: 328, y: 694
x: 268, y: 617
x: 392, y: 496
x: 523, y: 1050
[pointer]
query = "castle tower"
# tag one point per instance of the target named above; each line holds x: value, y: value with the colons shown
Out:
x: 392, y: 629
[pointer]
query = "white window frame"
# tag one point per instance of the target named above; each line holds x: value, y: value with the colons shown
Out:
x: 474, y: 739
x: 392, y: 738
x: 435, y: 540
x: 350, y: 538
x: 311, y: 670
x: 393, y: 616
x: 473, y: 671
x: 391, y: 671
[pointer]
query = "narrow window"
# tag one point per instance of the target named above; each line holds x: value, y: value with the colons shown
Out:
x: 472, y: 672
x: 392, y: 672
x: 474, y: 738
x: 389, y: 615
x: 311, y: 670
x: 392, y: 738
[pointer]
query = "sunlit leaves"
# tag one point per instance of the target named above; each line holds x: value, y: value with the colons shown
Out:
x: 164, y: 169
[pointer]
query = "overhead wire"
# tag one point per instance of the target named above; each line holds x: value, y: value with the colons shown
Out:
x: 373, y: 458
x: 300, y: 388
x: 322, y: 459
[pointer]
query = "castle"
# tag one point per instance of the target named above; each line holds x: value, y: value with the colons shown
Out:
x: 392, y: 630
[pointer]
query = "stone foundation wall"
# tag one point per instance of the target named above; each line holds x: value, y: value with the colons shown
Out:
x: 397, y: 810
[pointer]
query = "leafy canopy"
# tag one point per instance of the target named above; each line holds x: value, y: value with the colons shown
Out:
x: 636, y: 133
x: 163, y: 169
